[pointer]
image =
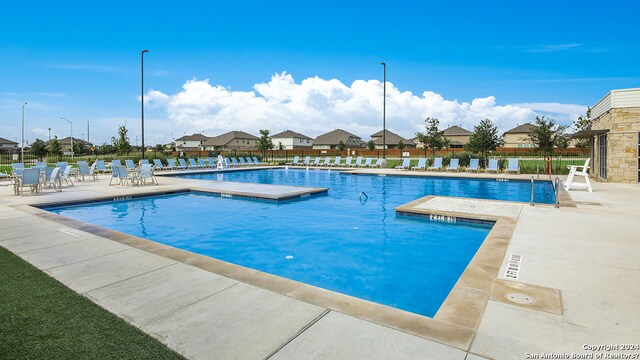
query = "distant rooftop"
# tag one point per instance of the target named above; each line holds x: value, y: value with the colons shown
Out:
x: 334, y: 137
x: 521, y: 129
x: 391, y: 138
x: 193, y: 137
x: 456, y: 130
x: 7, y: 141
x: 225, y: 138
x: 290, y: 134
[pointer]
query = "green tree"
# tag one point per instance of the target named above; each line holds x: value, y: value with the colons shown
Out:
x: 583, y: 123
x: 121, y: 144
x: 547, y: 135
x: 159, y: 148
x: 264, y: 143
x: 341, y: 146
x: 485, y: 138
x: 106, y: 148
x: 39, y: 148
x: 401, y: 145
x: 78, y: 148
x: 54, y: 147
x: 371, y: 145
x: 432, y: 138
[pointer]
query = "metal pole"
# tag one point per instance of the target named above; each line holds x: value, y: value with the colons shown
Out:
x: 142, y: 95
x: 384, y: 112
x: 557, y: 204
x: 532, y: 192
x: 22, y: 146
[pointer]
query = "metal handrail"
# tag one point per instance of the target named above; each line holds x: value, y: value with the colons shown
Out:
x: 557, y: 203
x: 532, y: 192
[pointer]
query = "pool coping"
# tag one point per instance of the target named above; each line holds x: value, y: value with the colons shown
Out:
x: 454, y: 324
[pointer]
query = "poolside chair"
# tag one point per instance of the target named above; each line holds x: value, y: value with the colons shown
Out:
x: 493, y: 166
x: 62, y: 165
x: 235, y: 162
x: 367, y: 163
x: 512, y: 166
x: 316, y: 162
x: 437, y: 165
x: 183, y: 164
x: 171, y: 164
x: 204, y: 163
x: 454, y: 165
x: 30, y: 178
x: 336, y: 162
x: 16, y: 166
x: 378, y: 163
x: 193, y: 164
x: 307, y: 161
x: 327, y: 161
x: 474, y: 164
x: 358, y: 162
x: 348, y: 161
x: 295, y: 161
x: 130, y: 164
x: 242, y: 162
x: 47, y: 172
x: 114, y: 163
x: 573, y: 172
x: 83, y: 169
x: 146, y: 172
x: 100, y: 167
x: 257, y: 161
x: 250, y: 161
x: 406, y: 164
x: 214, y: 162
x: 158, y: 164
x: 114, y: 174
x: 228, y: 161
x: 66, y: 176
x: 41, y: 164
x: 53, y: 180
x: 144, y: 162
x: 222, y: 163
x: 422, y: 164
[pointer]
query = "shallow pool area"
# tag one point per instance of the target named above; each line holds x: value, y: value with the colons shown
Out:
x: 340, y: 241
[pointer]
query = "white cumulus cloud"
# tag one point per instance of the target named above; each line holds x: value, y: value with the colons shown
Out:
x: 317, y: 105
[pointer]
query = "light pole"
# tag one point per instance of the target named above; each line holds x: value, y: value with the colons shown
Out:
x: 49, y: 134
x: 384, y: 113
x: 142, y: 94
x: 22, y: 146
x: 69, y: 121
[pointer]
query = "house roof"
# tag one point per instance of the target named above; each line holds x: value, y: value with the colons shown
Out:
x: 290, y: 134
x: 456, y: 130
x: 193, y: 137
x: 334, y: 137
x: 226, y: 138
x: 391, y: 138
x: 7, y: 141
x: 521, y: 129
x: 67, y: 141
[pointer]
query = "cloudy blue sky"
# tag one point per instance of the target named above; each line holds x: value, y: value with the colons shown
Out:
x: 248, y: 65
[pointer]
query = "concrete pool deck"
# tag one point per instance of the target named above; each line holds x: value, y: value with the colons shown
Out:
x: 588, y: 253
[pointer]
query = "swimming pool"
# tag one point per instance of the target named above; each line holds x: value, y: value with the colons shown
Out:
x: 335, y: 241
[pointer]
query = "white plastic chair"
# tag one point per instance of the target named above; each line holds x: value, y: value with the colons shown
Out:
x: 146, y: 172
x: 573, y: 172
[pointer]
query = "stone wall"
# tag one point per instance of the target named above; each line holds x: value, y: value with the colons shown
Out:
x: 622, y: 148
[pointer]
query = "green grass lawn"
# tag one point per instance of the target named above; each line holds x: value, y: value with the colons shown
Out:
x: 42, y: 319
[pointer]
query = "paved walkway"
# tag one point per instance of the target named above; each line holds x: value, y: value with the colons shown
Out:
x: 588, y: 253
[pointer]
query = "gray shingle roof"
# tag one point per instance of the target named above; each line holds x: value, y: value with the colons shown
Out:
x: 193, y: 137
x: 456, y: 130
x: 290, y: 134
x: 521, y: 129
x: 226, y: 138
x: 67, y: 141
x: 334, y: 137
x: 7, y: 141
x: 391, y: 138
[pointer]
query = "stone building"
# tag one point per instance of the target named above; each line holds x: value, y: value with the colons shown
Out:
x: 614, y: 137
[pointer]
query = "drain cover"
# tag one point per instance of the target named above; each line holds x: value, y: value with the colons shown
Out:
x: 520, y: 298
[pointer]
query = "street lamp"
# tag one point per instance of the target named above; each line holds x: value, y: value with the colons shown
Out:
x: 69, y: 121
x: 384, y: 112
x: 49, y: 134
x: 22, y: 146
x: 142, y: 94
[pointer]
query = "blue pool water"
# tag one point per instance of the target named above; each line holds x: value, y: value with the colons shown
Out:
x: 334, y: 241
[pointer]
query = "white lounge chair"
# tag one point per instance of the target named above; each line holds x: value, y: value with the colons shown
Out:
x: 158, y: 164
x: 406, y: 164
x: 316, y: 162
x: 336, y: 162
x: 358, y: 162
x: 422, y: 164
x: 512, y: 166
x: 146, y: 172
x: 100, y: 167
x: 378, y: 163
x: 257, y: 161
x: 454, y: 165
x: 66, y: 176
x: 493, y: 166
x: 295, y: 161
x: 573, y: 172
x: 437, y: 165
x: 54, y: 179
x: 348, y: 161
x: 474, y: 165
x: 327, y: 161
x: 367, y: 162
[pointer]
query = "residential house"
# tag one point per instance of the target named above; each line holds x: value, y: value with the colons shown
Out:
x: 614, y: 137
x: 518, y: 137
x: 391, y: 140
x: 457, y: 136
x: 291, y: 140
x: 65, y: 143
x: 233, y: 140
x: 8, y: 144
x: 190, y: 142
x: 332, y: 139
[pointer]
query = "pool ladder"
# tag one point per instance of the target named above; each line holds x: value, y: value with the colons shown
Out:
x: 556, y: 186
x: 366, y: 197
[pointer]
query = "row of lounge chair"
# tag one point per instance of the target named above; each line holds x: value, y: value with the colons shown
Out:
x: 454, y: 165
x: 337, y: 162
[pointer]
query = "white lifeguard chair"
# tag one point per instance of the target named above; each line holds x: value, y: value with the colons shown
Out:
x: 573, y: 172
x: 222, y: 163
